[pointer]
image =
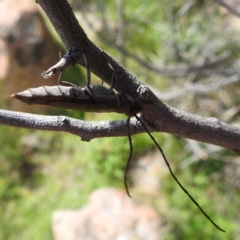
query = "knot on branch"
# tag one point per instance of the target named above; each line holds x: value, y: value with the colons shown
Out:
x: 63, y: 121
x: 143, y: 92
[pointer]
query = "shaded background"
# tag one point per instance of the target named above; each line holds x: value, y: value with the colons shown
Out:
x: 188, y: 53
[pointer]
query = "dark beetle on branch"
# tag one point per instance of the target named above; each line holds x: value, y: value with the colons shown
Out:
x: 96, y: 98
x: 76, y: 98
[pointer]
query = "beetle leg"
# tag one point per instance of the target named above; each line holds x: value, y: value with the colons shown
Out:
x: 64, y: 83
x: 88, y: 70
x: 59, y: 78
x: 114, y: 76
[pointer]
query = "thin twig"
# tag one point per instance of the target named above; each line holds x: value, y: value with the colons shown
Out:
x: 231, y: 9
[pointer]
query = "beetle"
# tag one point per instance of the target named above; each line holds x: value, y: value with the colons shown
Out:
x: 97, y: 98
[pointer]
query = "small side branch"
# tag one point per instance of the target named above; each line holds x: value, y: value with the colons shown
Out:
x: 208, y: 130
x: 65, y: 62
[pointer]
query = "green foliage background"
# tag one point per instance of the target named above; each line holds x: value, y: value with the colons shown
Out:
x: 60, y: 171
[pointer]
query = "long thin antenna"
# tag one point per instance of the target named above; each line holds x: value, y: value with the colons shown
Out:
x: 175, y: 178
x: 129, y: 157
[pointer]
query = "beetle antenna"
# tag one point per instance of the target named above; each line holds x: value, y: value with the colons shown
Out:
x: 129, y: 157
x: 174, y: 177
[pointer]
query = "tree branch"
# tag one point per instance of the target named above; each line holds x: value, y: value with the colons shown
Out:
x: 83, y: 129
x: 157, y: 115
x: 76, y: 43
x: 231, y: 9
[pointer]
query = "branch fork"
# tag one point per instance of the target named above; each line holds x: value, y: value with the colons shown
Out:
x: 163, y: 117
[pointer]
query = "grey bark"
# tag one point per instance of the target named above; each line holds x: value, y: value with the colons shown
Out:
x: 157, y: 115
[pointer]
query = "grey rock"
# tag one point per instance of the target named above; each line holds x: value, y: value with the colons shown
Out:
x: 110, y: 214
